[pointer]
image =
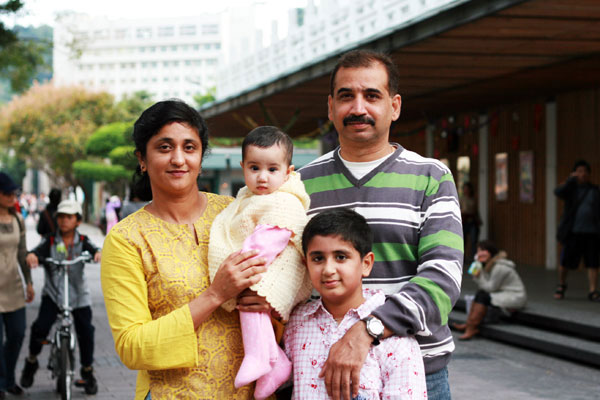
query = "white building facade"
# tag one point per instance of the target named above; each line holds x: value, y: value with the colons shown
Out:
x: 170, y: 57
x: 317, y: 31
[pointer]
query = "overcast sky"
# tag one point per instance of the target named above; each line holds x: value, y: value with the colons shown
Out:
x: 38, y: 12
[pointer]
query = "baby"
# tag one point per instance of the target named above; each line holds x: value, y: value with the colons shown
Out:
x: 268, y: 215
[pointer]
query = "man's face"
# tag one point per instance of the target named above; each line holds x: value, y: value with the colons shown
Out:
x: 582, y: 174
x: 361, y: 107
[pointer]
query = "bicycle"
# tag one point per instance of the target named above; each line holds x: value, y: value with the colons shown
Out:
x: 62, y: 350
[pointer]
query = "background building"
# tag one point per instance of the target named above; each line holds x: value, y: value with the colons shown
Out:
x: 168, y: 58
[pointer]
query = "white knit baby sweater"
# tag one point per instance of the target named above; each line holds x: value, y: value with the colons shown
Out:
x: 286, y: 282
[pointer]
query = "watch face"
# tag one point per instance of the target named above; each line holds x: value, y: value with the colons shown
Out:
x: 376, y: 326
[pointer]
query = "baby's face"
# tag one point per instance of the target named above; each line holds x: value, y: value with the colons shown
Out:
x: 265, y: 169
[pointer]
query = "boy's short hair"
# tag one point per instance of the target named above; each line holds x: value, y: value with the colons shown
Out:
x: 344, y: 222
x: 70, y: 207
x: 267, y: 136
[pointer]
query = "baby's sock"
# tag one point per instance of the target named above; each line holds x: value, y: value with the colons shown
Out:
x: 257, y: 354
x: 282, y: 368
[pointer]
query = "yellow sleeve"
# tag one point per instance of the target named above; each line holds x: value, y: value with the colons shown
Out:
x: 141, y: 342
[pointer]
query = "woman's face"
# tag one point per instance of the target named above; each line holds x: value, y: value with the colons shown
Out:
x: 173, y: 159
x: 483, y: 256
x: 7, y: 200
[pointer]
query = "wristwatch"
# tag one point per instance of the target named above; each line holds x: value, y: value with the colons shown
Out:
x: 375, y: 328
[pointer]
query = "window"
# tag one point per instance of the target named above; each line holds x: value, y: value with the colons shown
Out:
x: 210, y: 29
x: 166, y: 31
x: 143, y: 33
x: 187, y: 30
x: 121, y: 33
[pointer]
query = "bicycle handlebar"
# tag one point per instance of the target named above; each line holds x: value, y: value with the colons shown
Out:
x: 85, y: 256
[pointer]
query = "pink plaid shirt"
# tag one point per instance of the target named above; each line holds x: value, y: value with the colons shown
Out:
x: 392, y: 370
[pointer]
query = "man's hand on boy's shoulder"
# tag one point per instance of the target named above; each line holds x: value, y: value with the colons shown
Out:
x: 346, y: 358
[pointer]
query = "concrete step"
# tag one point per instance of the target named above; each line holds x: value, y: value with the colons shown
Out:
x: 559, y: 345
x: 536, y: 318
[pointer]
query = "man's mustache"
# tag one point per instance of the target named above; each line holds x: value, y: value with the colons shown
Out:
x: 358, y: 118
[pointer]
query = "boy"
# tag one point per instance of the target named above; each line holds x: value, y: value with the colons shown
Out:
x: 337, y: 246
x: 267, y: 215
x: 67, y: 243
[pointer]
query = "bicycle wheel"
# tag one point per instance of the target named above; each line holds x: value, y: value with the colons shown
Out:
x: 64, y: 374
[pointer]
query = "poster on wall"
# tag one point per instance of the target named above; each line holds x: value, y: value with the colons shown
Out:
x: 501, y: 187
x: 526, y: 176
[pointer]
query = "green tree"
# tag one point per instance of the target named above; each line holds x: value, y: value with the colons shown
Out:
x: 50, y: 126
x: 20, y: 56
x: 208, y: 97
x: 110, y: 154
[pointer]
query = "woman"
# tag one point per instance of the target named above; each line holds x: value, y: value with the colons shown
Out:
x: 164, y: 313
x: 500, y: 288
x: 12, y: 296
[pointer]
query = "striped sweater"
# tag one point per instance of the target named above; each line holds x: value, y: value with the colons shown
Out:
x: 411, y: 204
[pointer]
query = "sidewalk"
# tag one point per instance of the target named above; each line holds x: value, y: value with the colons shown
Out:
x: 115, y: 381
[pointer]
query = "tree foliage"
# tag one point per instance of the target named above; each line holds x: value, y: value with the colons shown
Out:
x: 87, y: 169
x: 107, y: 137
x: 50, y: 126
x: 208, y: 97
x: 110, y: 150
x: 20, y: 56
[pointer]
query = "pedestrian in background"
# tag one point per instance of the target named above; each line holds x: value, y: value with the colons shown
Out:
x: 13, y: 291
x: 579, y: 229
x: 501, y: 290
x: 47, y: 220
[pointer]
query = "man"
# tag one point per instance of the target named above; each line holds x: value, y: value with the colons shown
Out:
x: 412, y: 206
x: 579, y: 228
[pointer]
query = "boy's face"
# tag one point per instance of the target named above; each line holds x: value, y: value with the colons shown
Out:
x: 265, y: 169
x: 67, y: 222
x: 336, y: 270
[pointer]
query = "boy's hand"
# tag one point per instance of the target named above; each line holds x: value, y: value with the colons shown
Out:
x: 97, y: 257
x: 32, y: 260
x: 30, y: 293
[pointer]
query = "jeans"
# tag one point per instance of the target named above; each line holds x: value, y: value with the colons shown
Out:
x: 82, y: 318
x: 13, y: 323
x: 438, y: 387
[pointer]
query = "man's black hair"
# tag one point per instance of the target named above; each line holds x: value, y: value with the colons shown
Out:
x: 582, y: 163
x: 349, y: 225
x: 267, y: 136
x: 364, y: 59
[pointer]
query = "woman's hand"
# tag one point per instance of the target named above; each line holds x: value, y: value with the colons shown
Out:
x: 32, y: 260
x: 30, y: 293
x: 238, y: 272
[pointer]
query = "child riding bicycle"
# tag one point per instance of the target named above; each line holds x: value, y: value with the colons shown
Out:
x: 67, y: 243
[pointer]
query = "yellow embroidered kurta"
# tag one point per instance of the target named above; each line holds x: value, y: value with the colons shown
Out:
x: 151, y: 270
